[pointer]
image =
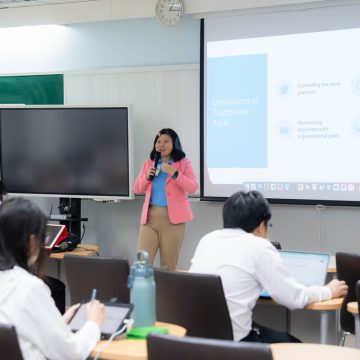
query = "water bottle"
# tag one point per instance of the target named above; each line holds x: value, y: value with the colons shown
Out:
x: 142, y: 291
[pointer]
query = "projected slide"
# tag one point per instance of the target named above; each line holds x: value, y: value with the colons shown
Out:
x: 282, y: 116
x: 239, y: 110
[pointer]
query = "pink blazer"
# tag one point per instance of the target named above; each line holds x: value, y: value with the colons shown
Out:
x: 176, y: 191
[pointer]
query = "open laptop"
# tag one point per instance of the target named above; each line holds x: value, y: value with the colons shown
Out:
x: 307, y: 268
x: 54, y: 234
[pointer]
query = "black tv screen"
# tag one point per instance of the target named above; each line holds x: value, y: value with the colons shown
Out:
x: 66, y: 151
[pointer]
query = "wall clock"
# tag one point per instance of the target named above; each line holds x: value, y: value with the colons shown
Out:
x: 169, y: 12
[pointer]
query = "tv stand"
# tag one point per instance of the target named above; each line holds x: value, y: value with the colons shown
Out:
x: 70, y: 208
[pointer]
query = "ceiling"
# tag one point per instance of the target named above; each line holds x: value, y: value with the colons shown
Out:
x: 43, y: 12
x: 25, y: 3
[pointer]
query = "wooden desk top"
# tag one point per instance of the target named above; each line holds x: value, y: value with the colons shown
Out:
x: 353, y: 307
x: 313, y: 351
x: 81, y: 250
x: 136, y: 350
x: 126, y: 349
x: 332, y: 304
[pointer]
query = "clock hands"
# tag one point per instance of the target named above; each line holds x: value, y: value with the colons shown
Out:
x: 174, y: 7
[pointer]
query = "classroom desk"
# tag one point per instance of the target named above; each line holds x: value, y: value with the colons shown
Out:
x: 125, y: 349
x: 81, y: 250
x: 354, y: 309
x: 136, y: 350
x: 325, y: 308
x: 313, y: 351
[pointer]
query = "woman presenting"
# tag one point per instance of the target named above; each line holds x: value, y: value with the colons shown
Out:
x: 165, y: 178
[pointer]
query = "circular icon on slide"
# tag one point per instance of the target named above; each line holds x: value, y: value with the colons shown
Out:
x: 355, y: 127
x: 355, y: 85
x: 284, y: 89
x: 284, y: 128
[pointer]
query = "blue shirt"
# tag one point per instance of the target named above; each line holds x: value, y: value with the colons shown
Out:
x: 158, y: 196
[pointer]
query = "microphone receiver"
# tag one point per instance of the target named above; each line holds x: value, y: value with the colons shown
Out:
x: 157, y: 157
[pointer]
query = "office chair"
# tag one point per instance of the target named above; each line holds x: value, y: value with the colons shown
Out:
x: 348, y: 269
x: 358, y: 294
x: 193, y: 301
x: 9, y: 344
x: 164, y: 347
x: 107, y: 275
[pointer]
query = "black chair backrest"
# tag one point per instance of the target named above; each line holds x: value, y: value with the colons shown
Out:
x: 193, y: 301
x: 358, y: 293
x: 165, y: 347
x: 348, y: 269
x: 107, y: 275
x: 9, y: 345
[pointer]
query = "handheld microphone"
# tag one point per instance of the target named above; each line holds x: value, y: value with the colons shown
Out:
x: 156, y: 161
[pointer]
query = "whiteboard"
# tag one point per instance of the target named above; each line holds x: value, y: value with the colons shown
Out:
x: 160, y: 97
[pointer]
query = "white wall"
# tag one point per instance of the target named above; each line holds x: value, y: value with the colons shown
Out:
x: 99, y: 45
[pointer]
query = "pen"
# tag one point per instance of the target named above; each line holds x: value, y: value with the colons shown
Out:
x: 93, y: 294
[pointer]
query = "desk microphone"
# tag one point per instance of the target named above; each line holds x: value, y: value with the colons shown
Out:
x: 156, y: 161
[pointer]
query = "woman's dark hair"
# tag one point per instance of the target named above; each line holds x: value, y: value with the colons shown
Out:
x: 246, y: 210
x: 177, y: 152
x: 19, y: 219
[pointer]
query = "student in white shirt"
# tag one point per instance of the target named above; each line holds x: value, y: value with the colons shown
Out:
x: 247, y: 263
x: 25, y: 300
x: 56, y: 286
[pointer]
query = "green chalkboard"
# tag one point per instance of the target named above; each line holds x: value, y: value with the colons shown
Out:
x: 32, y: 89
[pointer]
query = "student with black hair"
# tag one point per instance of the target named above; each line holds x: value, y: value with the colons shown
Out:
x: 25, y: 300
x: 57, y: 287
x: 166, y: 208
x: 247, y: 263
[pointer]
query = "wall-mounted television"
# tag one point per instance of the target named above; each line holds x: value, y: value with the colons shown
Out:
x: 67, y: 151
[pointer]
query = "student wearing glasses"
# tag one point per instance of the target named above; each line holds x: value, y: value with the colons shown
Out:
x: 247, y: 263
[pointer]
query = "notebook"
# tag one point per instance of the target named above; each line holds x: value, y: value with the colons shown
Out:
x: 54, y: 234
x: 307, y: 268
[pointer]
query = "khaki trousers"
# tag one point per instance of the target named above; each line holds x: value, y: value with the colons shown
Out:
x: 160, y: 233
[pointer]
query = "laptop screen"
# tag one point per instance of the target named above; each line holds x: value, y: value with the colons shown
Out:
x: 306, y: 268
x: 54, y: 234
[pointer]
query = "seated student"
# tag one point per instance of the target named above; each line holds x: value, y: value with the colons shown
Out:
x: 247, y: 263
x: 25, y: 300
x: 57, y: 287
